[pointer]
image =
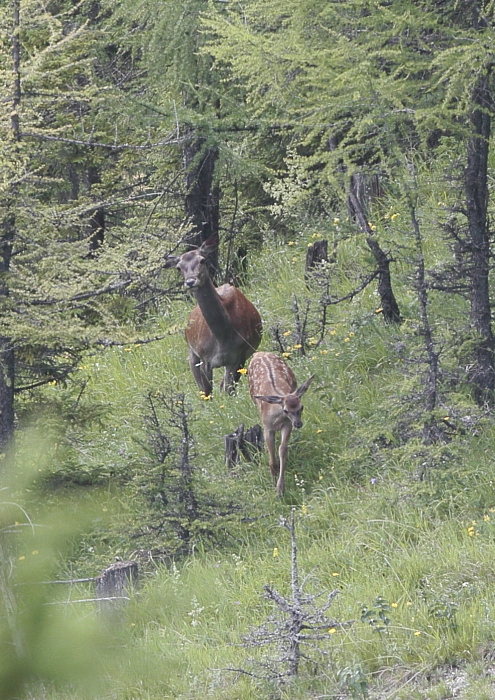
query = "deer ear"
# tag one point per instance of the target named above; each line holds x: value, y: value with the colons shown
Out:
x: 172, y: 260
x: 303, y: 387
x: 270, y: 399
x: 208, y: 246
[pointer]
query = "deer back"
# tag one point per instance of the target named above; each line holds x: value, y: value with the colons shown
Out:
x: 269, y: 375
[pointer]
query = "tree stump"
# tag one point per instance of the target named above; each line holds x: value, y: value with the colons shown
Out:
x: 242, y: 443
x: 316, y: 253
x: 114, y: 584
x: 252, y: 443
x: 232, y: 443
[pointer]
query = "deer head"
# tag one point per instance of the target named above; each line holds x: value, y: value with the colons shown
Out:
x: 192, y: 265
x: 291, y: 403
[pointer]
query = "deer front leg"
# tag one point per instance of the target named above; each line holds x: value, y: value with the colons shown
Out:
x: 269, y: 436
x: 282, y: 453
x: 202, y: 373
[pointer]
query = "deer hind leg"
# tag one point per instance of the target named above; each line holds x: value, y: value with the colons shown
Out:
x: 202, y: 373
x: 282, y: 453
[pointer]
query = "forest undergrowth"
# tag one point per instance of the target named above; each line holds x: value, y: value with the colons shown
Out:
x: 403, y: 531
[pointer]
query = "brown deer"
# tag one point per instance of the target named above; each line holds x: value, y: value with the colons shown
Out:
x: 224, y: 329
x: 273, y: 388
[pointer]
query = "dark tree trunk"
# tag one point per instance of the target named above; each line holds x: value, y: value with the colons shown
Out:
x: 476, y: 192
x: 97, y: 220
x: 7, y: 235
x: 357, y: 206
x: 202, y: 196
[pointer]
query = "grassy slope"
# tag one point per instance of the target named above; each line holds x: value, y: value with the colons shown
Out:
x: 367, y: 524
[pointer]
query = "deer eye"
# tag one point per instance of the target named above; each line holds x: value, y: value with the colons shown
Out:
x: 202, y: 261
x: 286, y: 411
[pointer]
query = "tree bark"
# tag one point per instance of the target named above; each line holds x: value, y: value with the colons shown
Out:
x: 202, y: 196
x: 476, y: 192
x: 7, y: 235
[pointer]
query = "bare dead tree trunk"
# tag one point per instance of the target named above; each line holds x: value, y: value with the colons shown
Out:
x: 476, y: 192
x: 357, y: 206
x: 431, y: 384
x: 297, y: 622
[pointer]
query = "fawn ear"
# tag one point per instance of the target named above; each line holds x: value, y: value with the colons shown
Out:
x: 270, y: 399
x: 208, y: 246
x: 172, y: 260
x: 303, y: 387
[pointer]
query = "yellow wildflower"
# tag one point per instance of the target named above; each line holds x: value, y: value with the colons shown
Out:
x: 275, y: 551
x: 332, y: 630
x: 393, y: 605
x: 286, y: 334
x: 243, y: 370
x: 290, y: 243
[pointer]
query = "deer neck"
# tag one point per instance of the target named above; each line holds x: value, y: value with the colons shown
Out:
x: 213, y: 310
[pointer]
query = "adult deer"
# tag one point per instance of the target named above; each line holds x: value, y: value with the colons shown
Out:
x: 224, y: 329
x: 273, y: 388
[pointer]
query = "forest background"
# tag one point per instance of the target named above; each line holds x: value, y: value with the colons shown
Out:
x: 131, y: 130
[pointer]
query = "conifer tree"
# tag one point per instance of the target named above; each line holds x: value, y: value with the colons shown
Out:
x: 56, y: 137
x: 369, y: 87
